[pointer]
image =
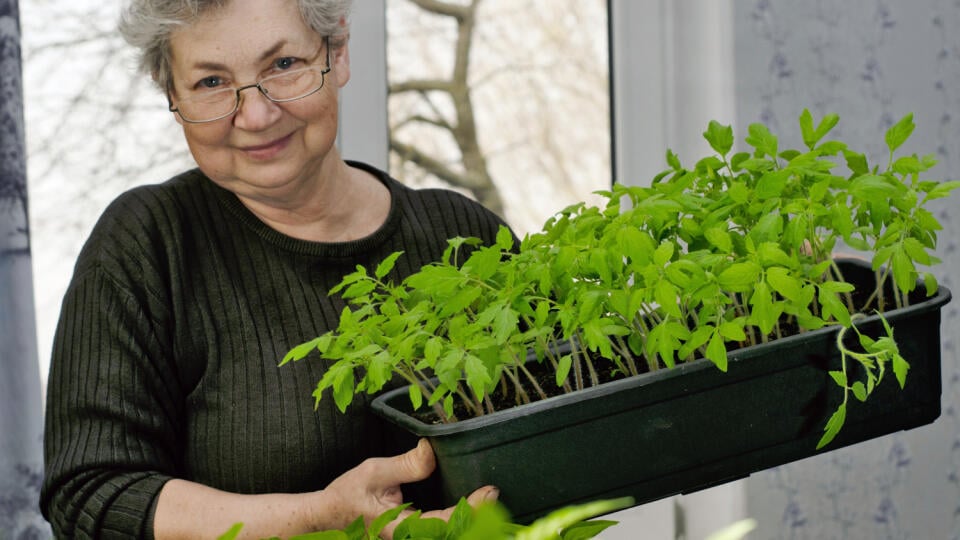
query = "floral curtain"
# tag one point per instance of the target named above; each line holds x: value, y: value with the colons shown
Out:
x: 21, y: 418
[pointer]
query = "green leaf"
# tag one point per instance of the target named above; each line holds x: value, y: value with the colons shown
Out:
x: 717, y: 352
x: 416, y: 396
x: 856, y: 162
x: 873, y: 188
x: 806, y: 129
x: 232, y: 533
x: 546, y: 527
x: 358, y: 289
x: 761, y: 139
x: 460, y: 301
x: 772, y: 184
x: 663, y: 254
x: 720, y: 137
x: 859, y: 391
x: 900, y: 368
x: 740, y: 277
x: 586, y: 529
x: 732, y: 331
x: 916, y: 250
x: 477, y: 376
x: 719, y: 238
x: 899, y: 132
x: 505, y: 325
x: 436, y: 280
x: 301, y: 351
x: 942, y: 190
x: 343, y: 389
x: 381, y: 521
x: 833, y: 426
x: 448, y: 406
x: 489, y: 521
x: 483, y: 263
x: 505, y: 238
x: 740, y: 193
x: 387, y: 265
x: 930, y: 283
x: 763, y: 314
x: 904, y: 272
x: 666, y: 295
x: 673, y: 161
x: 907, y: 165
x: 460, y: 520
x: 839, y: 377
x: 837, y: 286
x: 827, y: 124
x: 563, y: 368
x: 697, y: 338
x: 833, y: 306
x: 787, y: 285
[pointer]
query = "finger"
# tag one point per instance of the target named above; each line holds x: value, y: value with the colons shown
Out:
x: 412, y: 466
x: 482, y: 495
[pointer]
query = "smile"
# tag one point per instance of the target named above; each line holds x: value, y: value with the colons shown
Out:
x: 268, y: 150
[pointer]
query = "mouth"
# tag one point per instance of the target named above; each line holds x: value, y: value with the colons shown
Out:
x: 267, y: 150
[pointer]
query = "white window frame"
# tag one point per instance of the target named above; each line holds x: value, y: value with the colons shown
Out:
x: 363, y: 101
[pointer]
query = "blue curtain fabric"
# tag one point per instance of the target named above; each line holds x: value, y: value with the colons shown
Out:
x: 21, y: 418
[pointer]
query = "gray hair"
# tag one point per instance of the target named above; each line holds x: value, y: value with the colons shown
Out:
x: 148, y: 24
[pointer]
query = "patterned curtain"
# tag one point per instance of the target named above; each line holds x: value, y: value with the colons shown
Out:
x: 21, y: 418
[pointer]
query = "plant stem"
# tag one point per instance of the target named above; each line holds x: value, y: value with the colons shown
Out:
x: 594, y: 380
x: 577, y: 368
x: 521, y: 394
x: 624, y: 351
x: 533, y: 381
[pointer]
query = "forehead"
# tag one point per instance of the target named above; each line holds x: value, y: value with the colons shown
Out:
x: 239, y: 33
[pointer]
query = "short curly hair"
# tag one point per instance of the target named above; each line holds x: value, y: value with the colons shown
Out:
x: 148, y: 24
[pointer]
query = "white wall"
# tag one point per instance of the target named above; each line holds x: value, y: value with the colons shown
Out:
x: 871, y: 62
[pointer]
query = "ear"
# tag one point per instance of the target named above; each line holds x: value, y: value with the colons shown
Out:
x: 340, y: 60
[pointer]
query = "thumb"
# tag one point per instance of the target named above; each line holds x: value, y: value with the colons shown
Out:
x: 413, y: 465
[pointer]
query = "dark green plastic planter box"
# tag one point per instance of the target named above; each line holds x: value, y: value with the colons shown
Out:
x: 679, y: 430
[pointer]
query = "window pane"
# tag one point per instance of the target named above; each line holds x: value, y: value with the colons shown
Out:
x: 505, y: 100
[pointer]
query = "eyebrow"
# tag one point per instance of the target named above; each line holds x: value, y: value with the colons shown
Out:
x: 214, y: 66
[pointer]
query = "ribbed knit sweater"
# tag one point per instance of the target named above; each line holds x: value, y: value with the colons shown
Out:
x: 165, y: 360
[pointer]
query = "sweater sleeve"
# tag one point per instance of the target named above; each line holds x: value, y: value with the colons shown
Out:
x: 111, y: 414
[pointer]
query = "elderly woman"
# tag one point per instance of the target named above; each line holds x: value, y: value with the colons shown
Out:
x: 167, y: 413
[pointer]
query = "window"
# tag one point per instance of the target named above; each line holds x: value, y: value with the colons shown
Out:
x: 506, y: 101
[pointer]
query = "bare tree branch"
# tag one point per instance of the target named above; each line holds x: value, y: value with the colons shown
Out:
x: 436, y: 167
x: 456, y: 11
x: 419, y: 118
x: 464, y: 129
x: 422, y: 85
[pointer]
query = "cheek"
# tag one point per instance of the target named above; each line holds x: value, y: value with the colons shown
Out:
x: 208, y: 145
x: 206, y: 135
x: 320, y: 115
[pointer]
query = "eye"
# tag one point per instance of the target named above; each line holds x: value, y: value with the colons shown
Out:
x: 285, y: 63
x: 208, y: 83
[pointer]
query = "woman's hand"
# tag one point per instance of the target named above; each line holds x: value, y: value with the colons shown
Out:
x: 373, y: 487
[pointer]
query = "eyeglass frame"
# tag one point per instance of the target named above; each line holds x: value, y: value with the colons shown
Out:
x: 263, y: 92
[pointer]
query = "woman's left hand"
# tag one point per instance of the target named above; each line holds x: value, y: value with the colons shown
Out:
x: 374, y: 486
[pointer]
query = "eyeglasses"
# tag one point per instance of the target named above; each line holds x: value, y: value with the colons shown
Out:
x: 285, y: 87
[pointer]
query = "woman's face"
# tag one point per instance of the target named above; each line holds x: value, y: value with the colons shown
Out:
x: 265, y: 150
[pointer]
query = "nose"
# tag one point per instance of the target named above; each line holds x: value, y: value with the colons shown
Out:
x: 255, y: 111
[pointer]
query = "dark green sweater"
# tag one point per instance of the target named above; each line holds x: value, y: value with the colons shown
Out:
x: 165, y: 358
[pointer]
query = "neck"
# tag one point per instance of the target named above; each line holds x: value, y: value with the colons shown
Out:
x: 341, y: 205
